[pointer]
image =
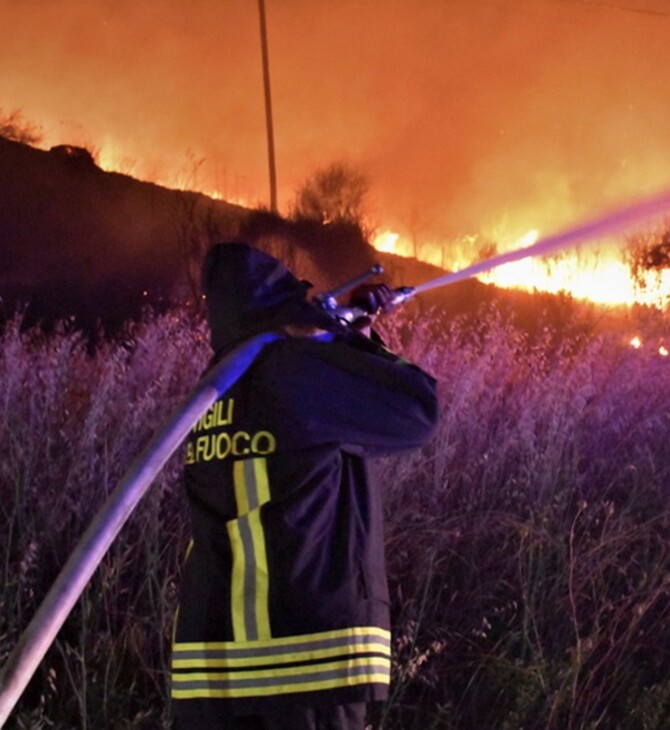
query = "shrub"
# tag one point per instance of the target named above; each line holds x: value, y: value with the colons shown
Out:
x: 16, y: 129
x: 333, y: 194
x: 647, y: 255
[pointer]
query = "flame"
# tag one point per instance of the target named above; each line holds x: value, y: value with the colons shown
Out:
x: 599, y: 276
x: 111, y: 157
x: 661, y: 349
x: 549, y: 105
x: 392, y: 242
x: 386, y: 242
x: 598, y: 280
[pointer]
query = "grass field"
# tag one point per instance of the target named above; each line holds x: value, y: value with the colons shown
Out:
x: 528, y: 545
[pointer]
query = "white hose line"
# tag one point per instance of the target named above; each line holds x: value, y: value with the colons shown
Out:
x: 59, y: 601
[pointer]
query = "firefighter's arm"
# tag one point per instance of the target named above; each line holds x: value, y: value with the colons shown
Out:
x: 351, y: 391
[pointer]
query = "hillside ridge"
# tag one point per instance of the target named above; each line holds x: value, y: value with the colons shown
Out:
x: 80, y: 243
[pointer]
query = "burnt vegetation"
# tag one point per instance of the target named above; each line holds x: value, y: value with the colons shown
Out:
x: 648, y: 255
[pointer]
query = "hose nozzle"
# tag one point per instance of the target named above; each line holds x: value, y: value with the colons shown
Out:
x: 349, y: 314
x: 328, y: 299
x: 400, y: 295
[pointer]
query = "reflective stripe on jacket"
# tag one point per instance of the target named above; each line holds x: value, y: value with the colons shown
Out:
x: 311, y: 663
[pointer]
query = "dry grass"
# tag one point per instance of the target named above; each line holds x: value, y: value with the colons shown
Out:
x: 528, y: 546
x: 71, y: 424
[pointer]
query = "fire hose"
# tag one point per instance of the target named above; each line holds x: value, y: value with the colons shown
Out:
x: 618, y: 222
x: 71, y: 581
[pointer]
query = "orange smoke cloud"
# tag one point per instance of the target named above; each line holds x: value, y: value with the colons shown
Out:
x: 471, y: 118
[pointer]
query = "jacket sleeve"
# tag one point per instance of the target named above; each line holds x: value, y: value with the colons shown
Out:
x: 353, y: 393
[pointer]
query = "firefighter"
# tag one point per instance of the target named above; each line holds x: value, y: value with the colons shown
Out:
x: 283, y: 621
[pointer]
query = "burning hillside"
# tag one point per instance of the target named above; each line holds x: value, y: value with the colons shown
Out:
x: 624, y: 271
x: 476, y: 122
x: 99, y: 246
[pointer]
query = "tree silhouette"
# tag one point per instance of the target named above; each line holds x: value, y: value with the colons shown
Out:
x: 334, y: 194
x: 16, y: 129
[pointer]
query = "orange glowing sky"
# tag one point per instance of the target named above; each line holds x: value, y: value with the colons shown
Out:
x: 470, y: 117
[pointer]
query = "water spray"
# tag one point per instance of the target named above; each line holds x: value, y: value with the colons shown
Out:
x: 617, y: 222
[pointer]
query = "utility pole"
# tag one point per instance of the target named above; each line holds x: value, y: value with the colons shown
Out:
x: 268, y: 108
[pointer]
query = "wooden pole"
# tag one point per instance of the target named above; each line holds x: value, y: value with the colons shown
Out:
x: 268, y: 107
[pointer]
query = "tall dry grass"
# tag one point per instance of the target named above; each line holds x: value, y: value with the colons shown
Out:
x: 528, y: 545
x: 71, y: 424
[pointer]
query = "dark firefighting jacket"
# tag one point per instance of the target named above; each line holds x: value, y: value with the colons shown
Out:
x: 284, y: 595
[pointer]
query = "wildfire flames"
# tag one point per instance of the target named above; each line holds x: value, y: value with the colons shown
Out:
x: 475, y: 122
x: 600, y: 275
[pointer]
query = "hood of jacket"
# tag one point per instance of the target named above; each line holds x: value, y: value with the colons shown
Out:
x: 249, y: 292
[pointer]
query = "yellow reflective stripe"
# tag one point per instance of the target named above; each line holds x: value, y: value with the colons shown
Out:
x: 232, y: 662
x: 262, y: 610
x: 283, y: 680
x: 184, y: 659
x: 260, y: 467
x: 250, y: 579
x: 240, y: 483
x: 303, y: 663
x: 310, y: 648
x: 237, y: 581
x: 252, y: 487
x: 342, y: 666
x: 278, y: 641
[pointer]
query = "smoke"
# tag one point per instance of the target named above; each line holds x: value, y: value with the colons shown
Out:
x: 470, y: 117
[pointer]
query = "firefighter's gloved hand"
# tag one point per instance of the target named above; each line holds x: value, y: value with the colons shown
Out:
x: 371, y: 299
